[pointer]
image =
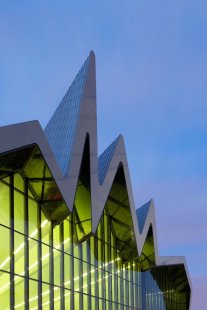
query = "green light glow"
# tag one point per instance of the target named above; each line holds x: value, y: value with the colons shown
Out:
x: 65, y: 263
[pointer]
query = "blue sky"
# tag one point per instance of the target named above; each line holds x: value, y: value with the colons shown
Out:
x: 151, y: 74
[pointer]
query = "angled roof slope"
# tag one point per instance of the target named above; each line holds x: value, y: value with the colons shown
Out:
x: 60, y: 130
x: 62, y: 145
x: 142, y: 213
x: 105, y: 159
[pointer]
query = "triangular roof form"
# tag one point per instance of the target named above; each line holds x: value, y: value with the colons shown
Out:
x: 142, y: 213
x: 105, y: 159
x: 62, y: 145
x: 60, y: 130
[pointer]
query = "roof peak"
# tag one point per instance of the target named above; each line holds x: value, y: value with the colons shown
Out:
x: 60, y: 130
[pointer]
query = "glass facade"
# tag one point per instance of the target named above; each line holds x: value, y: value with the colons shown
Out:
x: 43, y: 265
x: 49, y: 265
x: 52, y: 258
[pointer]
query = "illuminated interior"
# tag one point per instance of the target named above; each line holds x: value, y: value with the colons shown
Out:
x: 50, y: 259
x: 53, y: 258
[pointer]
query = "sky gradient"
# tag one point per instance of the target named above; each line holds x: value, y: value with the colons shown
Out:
x: 151, y: 74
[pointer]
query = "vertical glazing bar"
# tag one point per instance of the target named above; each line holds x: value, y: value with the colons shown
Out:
x: 62, y: 272
x: 51, y: 267
x: 144, y: 290
x: 115, y: 288
x: 26, y: 246
x: 126, y: 284
x: 103, y: 261
x: 109, y: 265
x: 71, y: 264
x: 89, y: 274
x: 136, y: 286
x: 11, y: 241
x: 118, y: 275
x: 108, y: 260
x: 131, y: 285
x: 80, y: 254
x: 140, y: 284
x: 39, y: 255
x: 121, y: 287
x: 96, y: 271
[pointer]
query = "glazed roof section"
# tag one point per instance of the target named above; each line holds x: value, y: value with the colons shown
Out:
x: 142, y: 213
x: 60, y: 130
x: 105, y: 159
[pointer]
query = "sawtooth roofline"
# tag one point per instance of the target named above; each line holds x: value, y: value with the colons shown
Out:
x: 24, y: 134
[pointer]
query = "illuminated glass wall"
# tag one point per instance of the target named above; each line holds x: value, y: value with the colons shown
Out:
x: 42, y: 266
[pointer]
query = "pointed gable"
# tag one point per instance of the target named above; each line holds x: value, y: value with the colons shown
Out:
x: 60, y: 130
x: 105, y: 159
x: 142, y: 213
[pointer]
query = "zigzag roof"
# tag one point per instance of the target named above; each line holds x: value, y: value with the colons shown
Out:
x: 62, y: 145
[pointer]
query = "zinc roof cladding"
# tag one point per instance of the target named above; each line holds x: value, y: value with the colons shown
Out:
x: 142, y: 213
x: 105, y: 159
x: 60, y: 130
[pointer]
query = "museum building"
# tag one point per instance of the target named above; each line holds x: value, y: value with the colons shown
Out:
x: 70, y: 235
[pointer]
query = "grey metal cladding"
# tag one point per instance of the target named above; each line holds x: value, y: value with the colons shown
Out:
x: 62, y: 145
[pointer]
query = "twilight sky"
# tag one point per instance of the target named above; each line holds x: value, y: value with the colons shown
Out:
x: 151, y: 61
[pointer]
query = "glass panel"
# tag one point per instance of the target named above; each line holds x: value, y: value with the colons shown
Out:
x: 4, y: 290
x: 33, y: 294
x: 33, y: 259
x: 4, y: 204
x: 56, y: 237
x: 85, y: 277
x: 93, y: 303
x: 76, y: 300
x: 19, y: 292
x: 45, y: 297
x: 100, y: 304
x: 92, y: 280
x: 32, y: 216
x: 45, y: 263
x: 92, y: 250
x: 76, y: 274
x: 84, y: 251
x: 18, y: 182
x: 57, y: 263
x: 100, y: 283
x: 56, y: 298
x: 67, y: 260
x: 76, y: 250
x: 19, y: 212
x: 19, y: 253
x: 5, y: 251
x: 85, y: 302
x: 66, y: 236
x: 45, y: 226
x: 67, y: 299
